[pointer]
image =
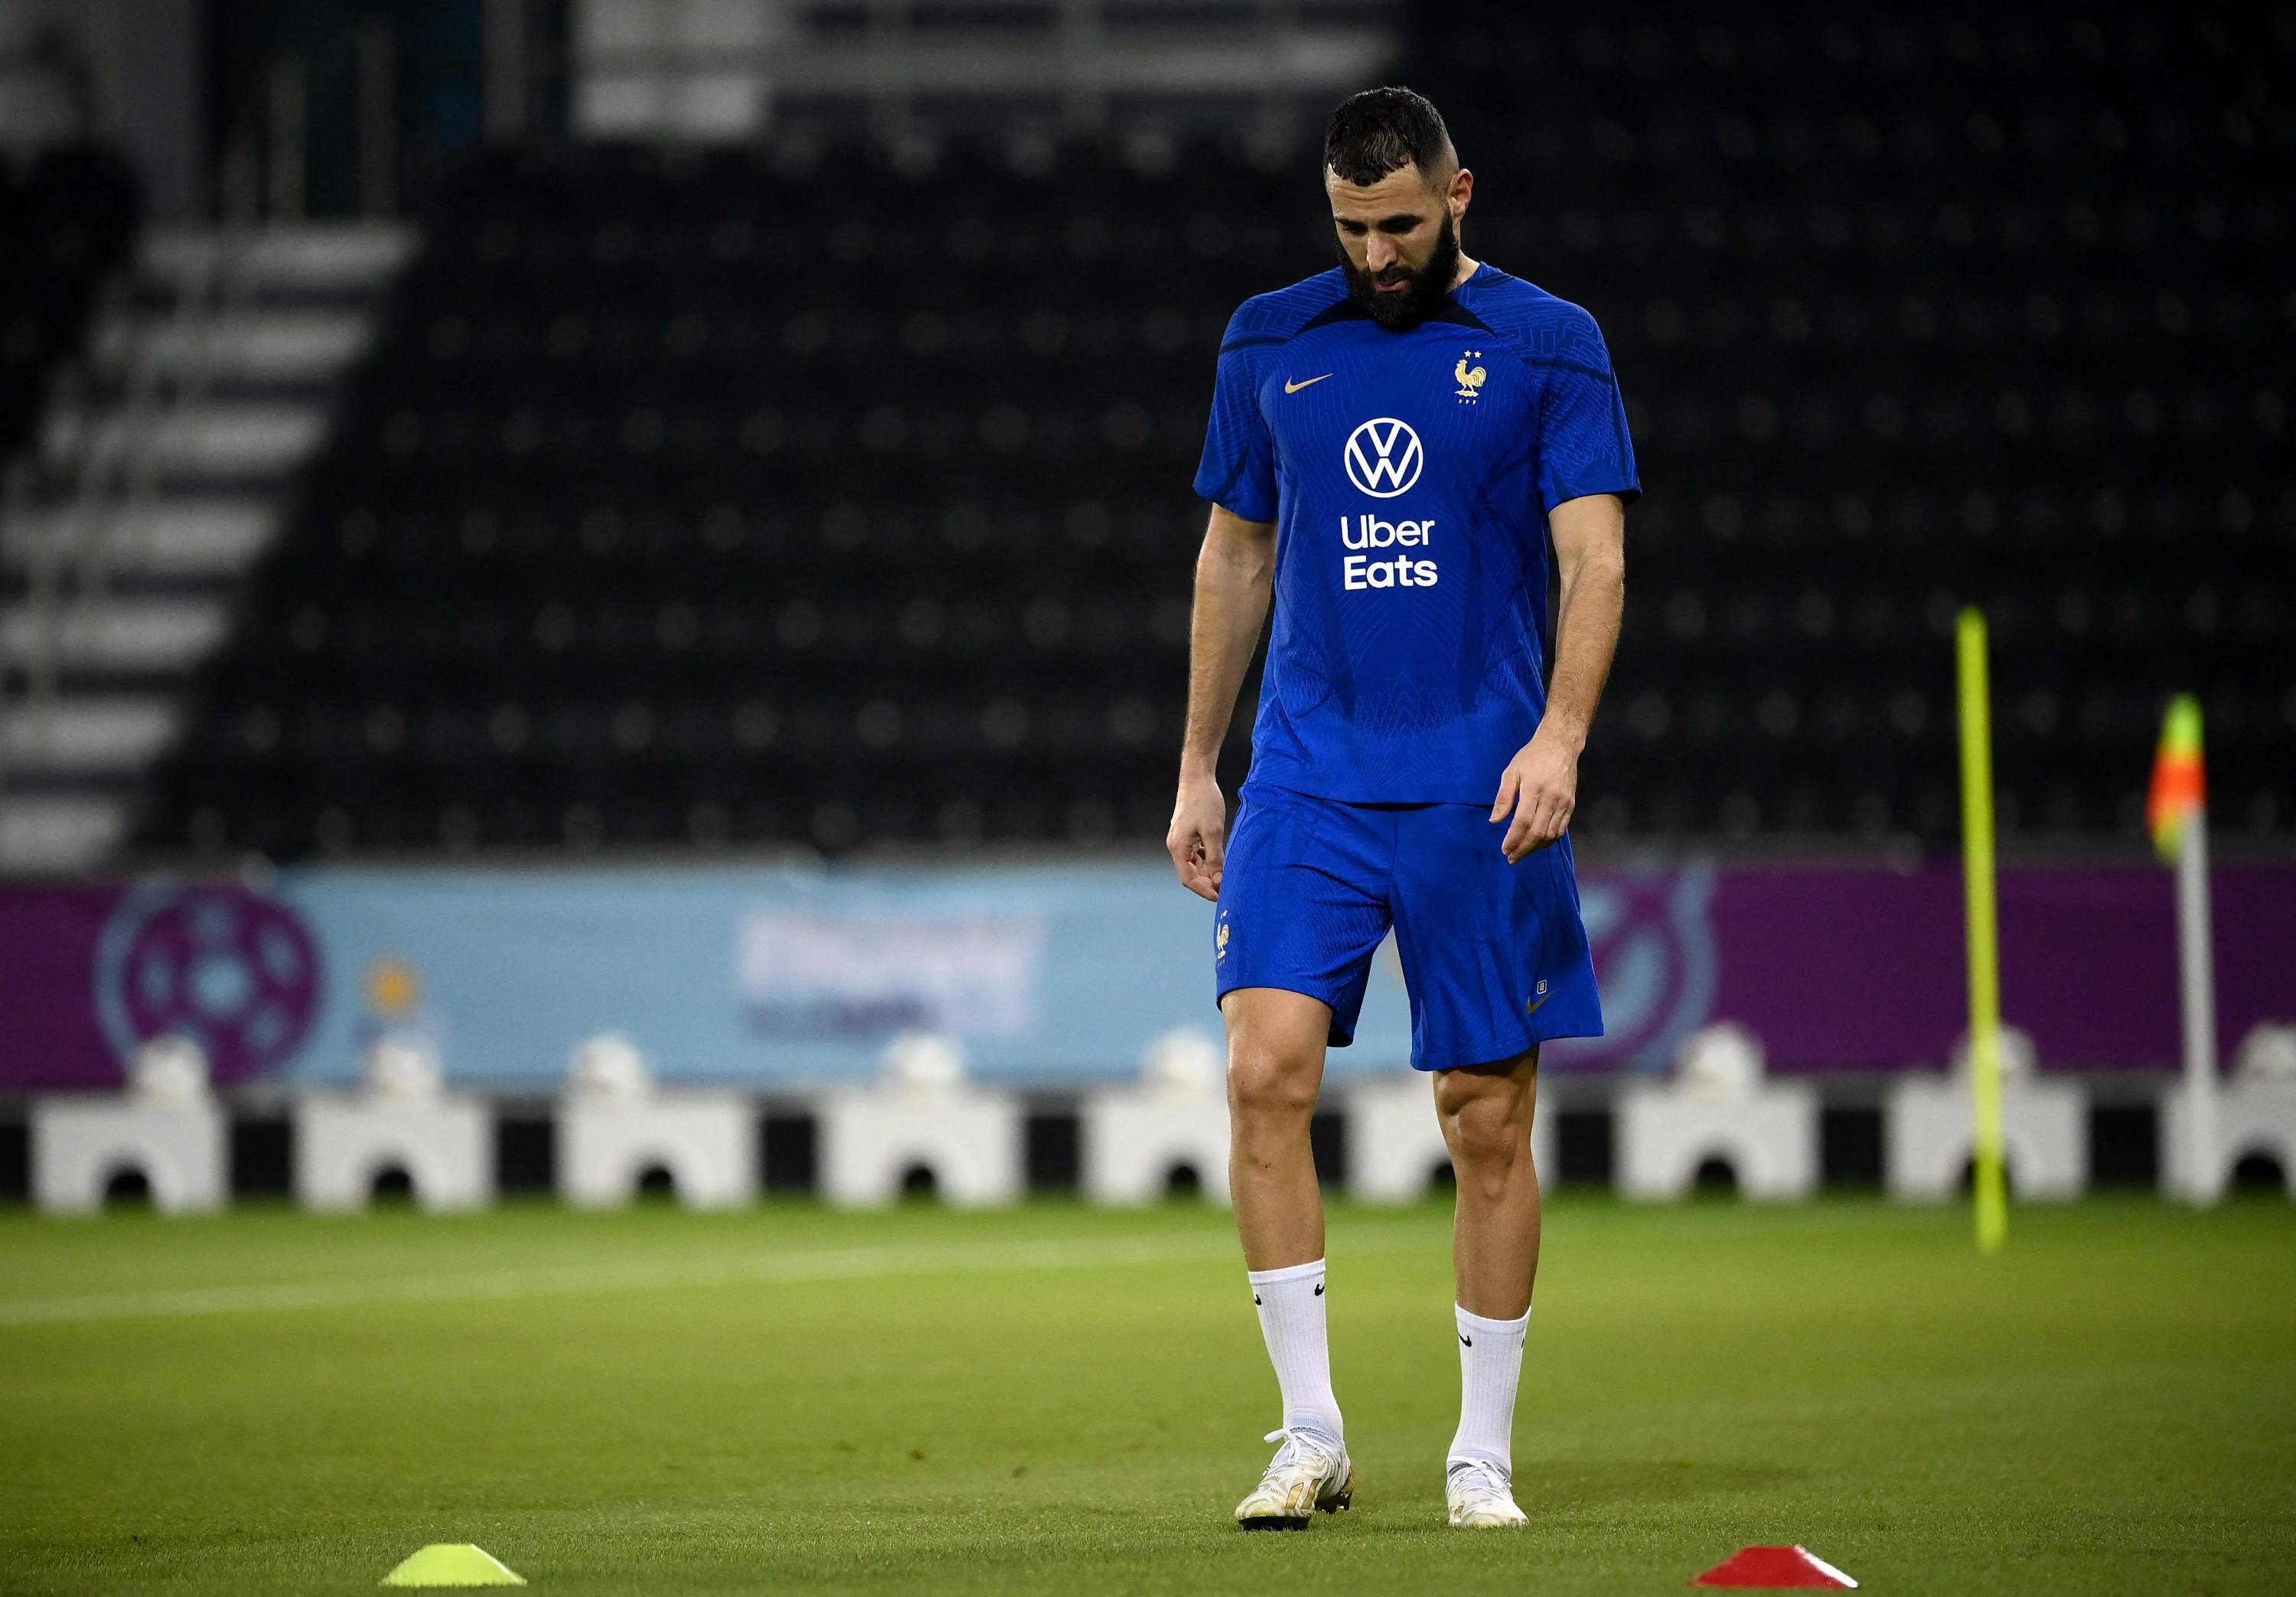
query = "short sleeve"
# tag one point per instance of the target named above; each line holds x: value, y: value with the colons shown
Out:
x: 1238, y: 469
x: 1583, y: 446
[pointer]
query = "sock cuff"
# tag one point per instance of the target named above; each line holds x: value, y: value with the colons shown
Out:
x: 1496, y: 1328
x: 1314, y: 1422
x: 1264, y: 1278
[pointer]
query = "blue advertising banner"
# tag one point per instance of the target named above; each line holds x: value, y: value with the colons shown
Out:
x: 764, y: 977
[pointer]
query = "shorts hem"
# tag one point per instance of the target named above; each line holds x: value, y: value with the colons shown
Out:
x: 1418, y: 1063
x: 1334, y: 1038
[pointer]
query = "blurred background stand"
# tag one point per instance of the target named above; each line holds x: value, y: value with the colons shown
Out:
x: 620, y: 1136
x: 401, y: 1135
x: 921, y: 1130
x: 1165, y: 1135
x: 161, y: 1141
x: 2044, y: 1129
x: 2254, y: 1117
x: 1718, y: 1120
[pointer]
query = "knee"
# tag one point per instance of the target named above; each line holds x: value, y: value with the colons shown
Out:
x: 1269, y: 1086
x: 1487, y: 1133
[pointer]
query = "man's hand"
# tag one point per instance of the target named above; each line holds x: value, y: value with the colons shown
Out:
x: 1539, y: 789
x: 1198, y: 840
x: 1540, y: 786
x: 1235, y: 572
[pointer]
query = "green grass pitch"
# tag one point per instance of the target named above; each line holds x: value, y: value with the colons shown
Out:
x: 1057, y: 1399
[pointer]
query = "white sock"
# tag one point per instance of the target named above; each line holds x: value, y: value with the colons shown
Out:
x: 1490, y: 1366
x: 1291, y: 1302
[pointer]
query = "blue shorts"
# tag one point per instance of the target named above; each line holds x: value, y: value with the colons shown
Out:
x: 1495, y: 956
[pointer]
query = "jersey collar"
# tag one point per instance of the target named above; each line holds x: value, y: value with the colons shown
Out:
x: 1448, y: 310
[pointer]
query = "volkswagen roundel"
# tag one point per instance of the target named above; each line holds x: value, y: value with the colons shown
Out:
x: 1384, y: 458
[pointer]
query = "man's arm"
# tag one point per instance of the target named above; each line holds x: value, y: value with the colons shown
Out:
x: 1235, y: 573
x: 1541, y: 785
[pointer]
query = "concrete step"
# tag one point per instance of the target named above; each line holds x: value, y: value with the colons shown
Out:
x: 312, y: 255
x: 219, y: 441
x: 276, y: 346
x: 110, y: 389
x: 119, y: 635
x: 194, y: 539
x: 60, y: 832
x: 80, y: 735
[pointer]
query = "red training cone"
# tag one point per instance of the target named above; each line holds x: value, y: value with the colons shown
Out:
x: 1774, y: 1567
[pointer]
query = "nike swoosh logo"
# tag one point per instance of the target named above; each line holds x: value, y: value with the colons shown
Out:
x: 1532, y: 1008
x: 1465, y: 1341
x: 1319, y: 1289
x: 1291, y: 387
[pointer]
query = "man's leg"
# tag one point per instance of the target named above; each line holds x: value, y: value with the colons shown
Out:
x: 1302, y: 909
x: 1275, y: 1065
x: 1486, y: 1114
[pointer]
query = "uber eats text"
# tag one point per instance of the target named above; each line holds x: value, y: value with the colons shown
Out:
x: 1402, y: 571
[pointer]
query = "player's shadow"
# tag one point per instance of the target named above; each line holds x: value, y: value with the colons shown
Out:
x: 1592, y: 1486
x: 1607, y: 1483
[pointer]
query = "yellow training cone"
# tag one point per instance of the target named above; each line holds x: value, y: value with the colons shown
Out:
x: 453, y: 1564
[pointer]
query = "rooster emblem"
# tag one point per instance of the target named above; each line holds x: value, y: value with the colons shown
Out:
x: 1470, y: 378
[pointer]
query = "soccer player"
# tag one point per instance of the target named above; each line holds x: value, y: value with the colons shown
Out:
x: 1400, y: 449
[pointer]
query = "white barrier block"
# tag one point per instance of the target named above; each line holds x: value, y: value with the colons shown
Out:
x: 343, y: 1143
x: 80, y: 1143
x: 1395, y: 1144
x: 1768, y: 1135
x: 870, y: 1137
x: 707, y: 1142
x: 1931, y: 1136
x: 1134, y: 1137
x: 2253, y: 1116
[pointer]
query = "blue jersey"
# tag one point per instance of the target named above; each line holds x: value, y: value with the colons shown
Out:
x: 1409, y: 474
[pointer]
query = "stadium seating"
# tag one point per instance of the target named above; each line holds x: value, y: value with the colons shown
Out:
x: 1913, y: 309
x: 835, y: 493
x: 67, y: 218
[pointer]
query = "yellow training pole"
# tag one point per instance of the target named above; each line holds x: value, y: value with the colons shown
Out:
x: 1984, y: 949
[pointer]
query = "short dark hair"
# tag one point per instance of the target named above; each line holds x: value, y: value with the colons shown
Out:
x: 1376, y: 132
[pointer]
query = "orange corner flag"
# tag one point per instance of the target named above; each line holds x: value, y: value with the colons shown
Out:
x: 2178, y: 788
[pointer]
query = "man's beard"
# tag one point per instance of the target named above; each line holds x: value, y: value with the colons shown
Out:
x: 1396, y: 309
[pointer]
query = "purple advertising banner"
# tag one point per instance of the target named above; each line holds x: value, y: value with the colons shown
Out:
x: 1861, y: 968
x: 1051, y: 974
x: 49, y: 1033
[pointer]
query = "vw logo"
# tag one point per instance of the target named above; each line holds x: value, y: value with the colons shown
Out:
x: 1384, y: 458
